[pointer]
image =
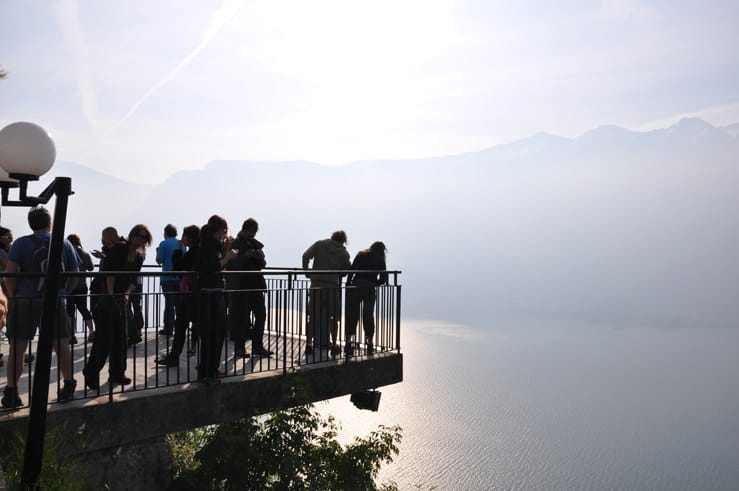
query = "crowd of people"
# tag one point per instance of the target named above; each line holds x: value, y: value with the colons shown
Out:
x: 197, y: 302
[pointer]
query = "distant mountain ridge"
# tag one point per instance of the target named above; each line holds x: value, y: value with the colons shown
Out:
x: 686, y: 127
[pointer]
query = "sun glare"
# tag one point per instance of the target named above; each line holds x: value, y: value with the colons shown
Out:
x: 363, y: 67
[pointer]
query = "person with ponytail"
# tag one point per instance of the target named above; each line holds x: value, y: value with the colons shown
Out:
x: 186, y: 311
x: 361, y: 294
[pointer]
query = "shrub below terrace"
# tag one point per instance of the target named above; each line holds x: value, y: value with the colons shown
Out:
x: 59, y: 472
x: 291, y: 449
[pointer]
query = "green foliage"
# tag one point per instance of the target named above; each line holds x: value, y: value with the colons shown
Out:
x: 184, y: 446
x: 293, y: 449
x: 58, y: 471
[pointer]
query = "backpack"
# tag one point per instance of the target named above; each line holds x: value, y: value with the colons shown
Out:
x: 40, y: 261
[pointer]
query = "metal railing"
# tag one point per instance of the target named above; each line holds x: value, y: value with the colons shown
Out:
x: 292, y: 309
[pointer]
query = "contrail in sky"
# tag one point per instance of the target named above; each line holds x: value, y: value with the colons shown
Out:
x: 72, y: 32
x: 71, y: 27
x: 220, y: 18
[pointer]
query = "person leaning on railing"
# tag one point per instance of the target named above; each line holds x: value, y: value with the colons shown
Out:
x: 324, y: 297
x: 360, y: 294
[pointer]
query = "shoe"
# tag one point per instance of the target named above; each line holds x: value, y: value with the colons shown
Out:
x: 91, y: 337
x: 66, y: 393
x: 72, y: 340
x: 335, y: 350
x: 164, y: 332
x: 370, y: 348
x: 348, y: 350
x: 10, y: 398
x: 191, y: 352
x: 308, y: 349
x: 261, y: 351
x: 28, y: 358
x: 167, y: 362
x: 120, y: 381
x: 133, y: 341
x: 91, y: 382
x: 240, y: 352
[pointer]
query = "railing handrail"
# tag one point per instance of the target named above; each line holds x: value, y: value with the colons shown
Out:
x: 268, y: 272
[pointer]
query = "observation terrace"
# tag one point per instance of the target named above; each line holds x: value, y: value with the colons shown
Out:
x: 118, y: 431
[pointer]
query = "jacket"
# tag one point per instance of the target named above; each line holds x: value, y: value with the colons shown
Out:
x: 327, y: 254
x: 242, y: 262
x: 368, y: 261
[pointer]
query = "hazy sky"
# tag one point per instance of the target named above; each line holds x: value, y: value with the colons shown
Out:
x: 141, y: 89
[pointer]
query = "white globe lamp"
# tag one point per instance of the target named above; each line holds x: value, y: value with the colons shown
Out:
x: 26, y: 150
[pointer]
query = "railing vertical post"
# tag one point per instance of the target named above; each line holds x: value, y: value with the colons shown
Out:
x: 397, y: 320
x: 112, y: 332
x: 288, y: 296
x: 285, y: 293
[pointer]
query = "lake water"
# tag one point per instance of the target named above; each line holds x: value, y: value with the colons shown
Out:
x: 539, y: 404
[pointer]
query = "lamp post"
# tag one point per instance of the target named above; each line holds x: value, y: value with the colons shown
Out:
x: 26, y: 153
